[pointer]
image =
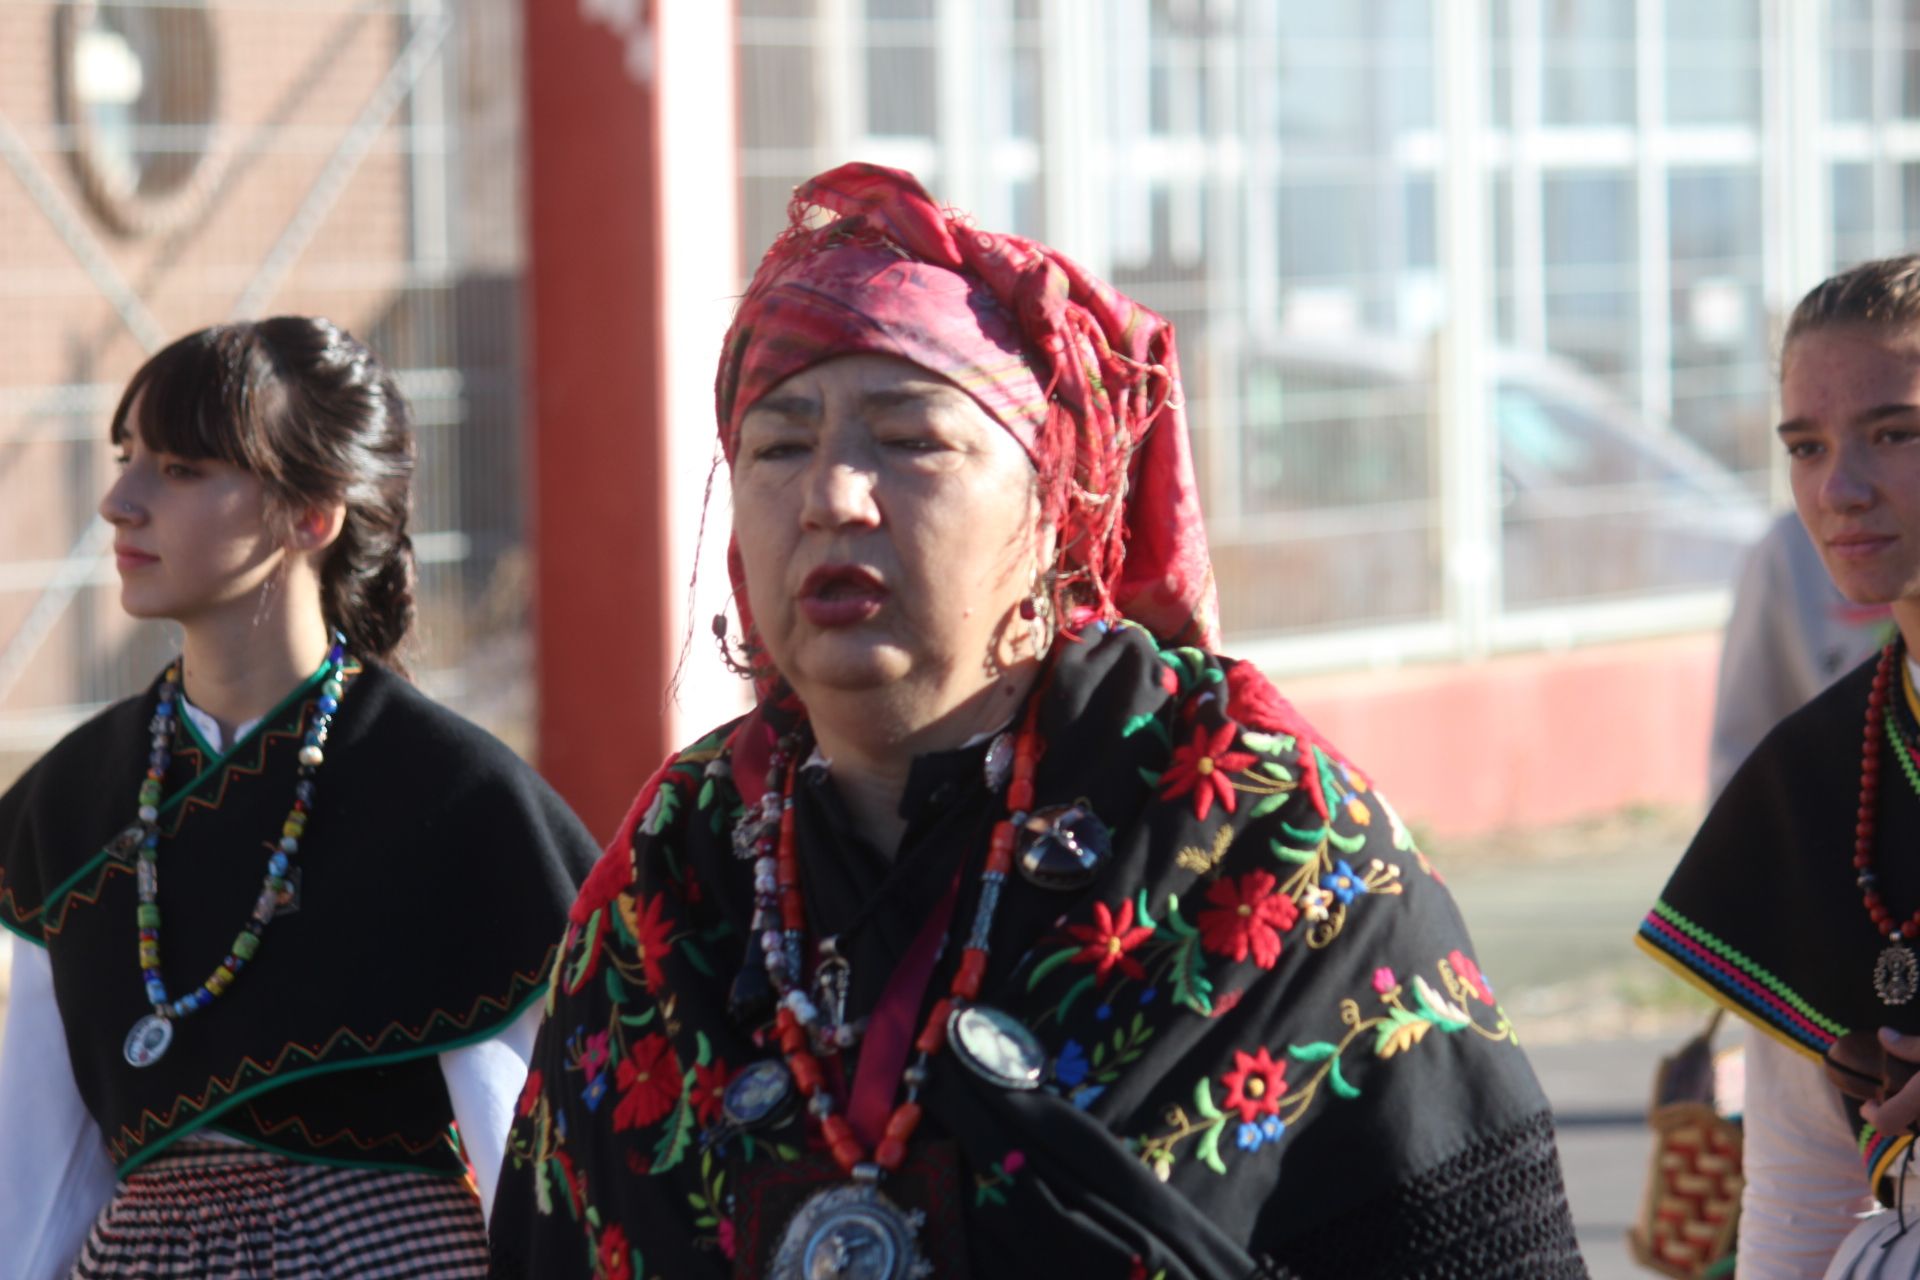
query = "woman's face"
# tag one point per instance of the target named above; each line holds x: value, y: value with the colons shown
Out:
x: 1850, y: 401
x: 888, y: 529
x: 190, y: 536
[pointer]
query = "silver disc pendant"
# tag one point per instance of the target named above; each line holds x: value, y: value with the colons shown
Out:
x: 1896, y: 974
x: 852, y: 1232
x: 148, y: 1041
x: 1063, y: 847
x: 996, y: 1046
x: 761, y: 1095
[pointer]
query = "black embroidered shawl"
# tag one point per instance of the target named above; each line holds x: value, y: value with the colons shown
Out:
x: 1763, y: 913
x: 1270, y: 1049
x: 432, y: 882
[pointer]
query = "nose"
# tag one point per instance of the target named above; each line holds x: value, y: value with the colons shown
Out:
x: 1848, y: 485
x: 839, y: 493
x: 119, y: 507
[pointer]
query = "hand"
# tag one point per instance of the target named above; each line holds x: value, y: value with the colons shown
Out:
x: 1899, y: 1113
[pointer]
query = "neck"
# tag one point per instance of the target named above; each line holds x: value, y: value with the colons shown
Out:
x: 1906, y: 616
x: 872, y: 744
x: 238, y: 664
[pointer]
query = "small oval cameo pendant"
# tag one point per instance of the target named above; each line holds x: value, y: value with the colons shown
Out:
x: 762, y: 1094
x: 1062, y: 847
x: 147, y: 1041
x: 996, y: 1046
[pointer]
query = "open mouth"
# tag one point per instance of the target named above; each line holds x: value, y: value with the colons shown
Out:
x: 841, y: 595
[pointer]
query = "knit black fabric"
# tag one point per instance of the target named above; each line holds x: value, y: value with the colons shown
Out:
x: 1498, y: 1209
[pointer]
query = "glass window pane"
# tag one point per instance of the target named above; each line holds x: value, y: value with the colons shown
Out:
x: 1713, y: 62
x: 1587, y: 61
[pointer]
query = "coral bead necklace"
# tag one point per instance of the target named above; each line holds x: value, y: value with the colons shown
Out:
x: 799, y: 1024
x: 152, y: 1034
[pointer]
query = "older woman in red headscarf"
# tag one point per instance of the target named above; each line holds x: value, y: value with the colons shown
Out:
x: 1015, y: 933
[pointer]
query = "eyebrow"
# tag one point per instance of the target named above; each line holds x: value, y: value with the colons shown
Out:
x: 1878, y: 413
x: 807, y: 408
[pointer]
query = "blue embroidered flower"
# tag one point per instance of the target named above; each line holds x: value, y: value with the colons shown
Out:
x: 597, y: 1090
x: 1249, y: 1137
x: 1104, y: 1012
x: 1147, y: 994
x: 1272, y: 1128
x: 1086, y: 1095
x: 1342, y: 883
x: 1071, y: 1067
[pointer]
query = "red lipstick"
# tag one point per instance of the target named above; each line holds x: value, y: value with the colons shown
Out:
x: 841, y: 595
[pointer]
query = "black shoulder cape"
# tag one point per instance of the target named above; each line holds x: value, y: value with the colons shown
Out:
x: 432, y: 882
x: 1270, y: 1050
x: 1763, y: 912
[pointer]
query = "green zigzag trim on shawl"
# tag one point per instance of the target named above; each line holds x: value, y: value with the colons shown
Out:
x: 52, y: 913
x: 1746, y: 965
x: 525, y: 988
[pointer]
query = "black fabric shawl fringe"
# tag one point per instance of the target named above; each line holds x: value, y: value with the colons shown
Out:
x: 1407, y: 1097
x: 432, y: 884
x: 1763, y: 913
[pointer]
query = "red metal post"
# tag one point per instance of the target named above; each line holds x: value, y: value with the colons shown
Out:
x: 603, y: 612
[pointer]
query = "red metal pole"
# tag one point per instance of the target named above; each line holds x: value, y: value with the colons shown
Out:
x: 598, y: 441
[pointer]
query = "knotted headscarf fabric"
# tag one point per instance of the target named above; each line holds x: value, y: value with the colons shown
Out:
x: 1085, y: 378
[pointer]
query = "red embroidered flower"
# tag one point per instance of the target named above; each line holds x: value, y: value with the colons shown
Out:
x: 649, y: 1080
x: 655, y: 934
x: 529, y: 1093
x: 616, y: 1257
x: 1255, y: 1085
x: 1108, y: 940
x: 1469, y: 973
x: 1202, y: 767
x: 709, y: 1087
x: 1384, y: 981
x: 728, y: 1245
x: 1247, y: 918
x: 1253, y: 701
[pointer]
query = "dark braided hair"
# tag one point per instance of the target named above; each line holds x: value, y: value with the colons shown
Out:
x: 305, y: 406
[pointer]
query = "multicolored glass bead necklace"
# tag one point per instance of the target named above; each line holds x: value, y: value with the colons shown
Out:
x: 152, y: 1034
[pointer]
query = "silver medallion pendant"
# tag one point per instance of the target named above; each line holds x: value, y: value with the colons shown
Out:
x: 852, y: 1232
x: 147, y: 1043
x: 1896, y: 974
x: 996, y: 1046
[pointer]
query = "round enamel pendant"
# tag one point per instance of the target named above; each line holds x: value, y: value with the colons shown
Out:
x: 761, y: 1094
x: 852, y: 1232
x: 1062, y: 847
x: 996, y: 1046
x: 1896, y: 974
x: 148, y: 1041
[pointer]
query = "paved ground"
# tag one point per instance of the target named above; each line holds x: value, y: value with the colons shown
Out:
x: 1552, y: 914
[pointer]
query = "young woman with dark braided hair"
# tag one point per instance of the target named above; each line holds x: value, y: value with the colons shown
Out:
x: 280, y: 920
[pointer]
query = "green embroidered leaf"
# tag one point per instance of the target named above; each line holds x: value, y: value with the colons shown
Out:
x: 1203, y: 1100
x: 1299, y: 837
x: 1318, y: 1051
x: 697, y: 1201
x: 1149, y: 777
x: 1191, y: 986
x: 1265, y: 743
x: 589, y: 948
x: 703, y: 1055
x: 1209, y: 1149
x: 674, y: 1142
x: 1140, y: 912
x: 1347, y: 844
x: 1299, y: 857
x: 640, y: 1019
x: 1196, y: 661
x: 1274, y: 769
x: 1174, y: 920
x: 706, y: 795
x: 1135, y: 724
x: 1443, y: 1012
x: 1268, y: 804
x: 1078, y: 989
x: 786, y: 1152
x: 1339, y: 1082
x: 1047, y: 966
x: 616, y: 987
x: 1099, y: 1056
x: 695, y: 956
x: 1213, y: 675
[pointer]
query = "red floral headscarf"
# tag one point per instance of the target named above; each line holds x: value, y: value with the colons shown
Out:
x: 1082, y: 376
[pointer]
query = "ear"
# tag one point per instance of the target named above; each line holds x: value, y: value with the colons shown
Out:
x: 315, y: 528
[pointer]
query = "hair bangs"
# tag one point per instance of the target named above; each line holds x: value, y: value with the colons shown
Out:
x: 190, y: 400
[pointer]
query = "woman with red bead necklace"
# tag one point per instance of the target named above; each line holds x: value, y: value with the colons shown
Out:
x: 1015, y: 932
x: 1798, y: 903
x: 281, y: 920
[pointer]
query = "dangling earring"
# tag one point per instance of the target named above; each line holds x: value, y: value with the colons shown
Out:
x: 740, y: 663
x: 1037, y: 609
x: 266, y: 592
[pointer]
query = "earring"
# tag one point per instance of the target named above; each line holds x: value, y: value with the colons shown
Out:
x: 740, y: 664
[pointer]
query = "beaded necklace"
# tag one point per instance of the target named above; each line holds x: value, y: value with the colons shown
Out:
x: 800, y: 1025
x: 153, y: 1033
